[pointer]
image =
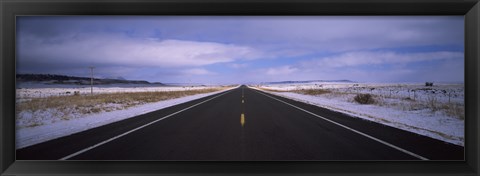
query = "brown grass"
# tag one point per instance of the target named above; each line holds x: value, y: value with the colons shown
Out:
x: 272, y: 90
x: 300, y: 91
x: 455, y: 110
x: 67, y: 106
x: 89, y: 101
x: 312, y: 91
x: 452, y: 109
x: 432, y: 103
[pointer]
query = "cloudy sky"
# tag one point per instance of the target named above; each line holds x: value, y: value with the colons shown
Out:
x: 174, y: 49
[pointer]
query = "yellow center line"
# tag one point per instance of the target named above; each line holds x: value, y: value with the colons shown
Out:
x: 242, y: 120
x: 242, y: 116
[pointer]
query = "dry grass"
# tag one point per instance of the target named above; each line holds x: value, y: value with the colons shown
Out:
x: 432, y: 103
x: 89, y: 101
x: 454, y: 109
x: 300, y: 91
x: 65, y: 107
x: 312, y: 91
x: 272, y: 90
x: 451, y: 109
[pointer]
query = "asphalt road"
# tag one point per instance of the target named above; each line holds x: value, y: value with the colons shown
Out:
x: 243, y: 124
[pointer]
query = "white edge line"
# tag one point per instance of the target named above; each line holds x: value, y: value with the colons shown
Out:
x: 351, y: 129
x: 133, y: 130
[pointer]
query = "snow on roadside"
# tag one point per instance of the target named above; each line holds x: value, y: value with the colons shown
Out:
x: 28, y: 93
x: 424, y: 122
x: 34, y: 135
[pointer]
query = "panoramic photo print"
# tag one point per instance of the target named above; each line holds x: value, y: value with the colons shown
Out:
x: 240, y: 88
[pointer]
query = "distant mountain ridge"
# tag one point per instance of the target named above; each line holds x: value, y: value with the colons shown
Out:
x: 74, y: 80
x: 308, y: 81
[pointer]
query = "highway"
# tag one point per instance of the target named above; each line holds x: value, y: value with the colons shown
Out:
x: 243, y: 124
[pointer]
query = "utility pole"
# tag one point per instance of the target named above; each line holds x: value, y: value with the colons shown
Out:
x: 91, y: 80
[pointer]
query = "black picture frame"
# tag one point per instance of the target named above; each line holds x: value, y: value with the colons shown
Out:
x: 12, y: 8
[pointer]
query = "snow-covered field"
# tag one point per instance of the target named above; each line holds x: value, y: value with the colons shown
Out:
x: 436, y: 111
x: 51, y: 129
x: 28, y: 93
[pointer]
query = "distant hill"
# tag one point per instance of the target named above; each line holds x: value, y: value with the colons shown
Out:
x: 309, y: 81
x: 118, y: 77
x: 73, y: 80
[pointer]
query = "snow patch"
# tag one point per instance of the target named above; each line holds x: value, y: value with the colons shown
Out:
x: 423, y: 121
x: 51, y: 130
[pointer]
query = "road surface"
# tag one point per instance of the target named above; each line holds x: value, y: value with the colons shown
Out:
x: 243, y: 124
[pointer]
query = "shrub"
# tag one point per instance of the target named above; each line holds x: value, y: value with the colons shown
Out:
x: 364, y: 99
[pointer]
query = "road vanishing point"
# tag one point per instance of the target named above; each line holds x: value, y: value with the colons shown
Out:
x: 243, y: 124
